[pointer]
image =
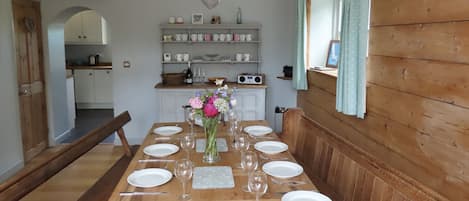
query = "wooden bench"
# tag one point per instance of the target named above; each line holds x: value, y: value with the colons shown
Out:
x: 29, y: 178
x: 343, y: 171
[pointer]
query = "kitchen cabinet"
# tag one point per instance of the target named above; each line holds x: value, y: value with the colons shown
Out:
x: 93, y: 89
x: 86, y: 27
x: 250, y: 103
x: 209, y: 49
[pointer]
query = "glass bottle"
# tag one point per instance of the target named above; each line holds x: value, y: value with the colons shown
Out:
x: 189, y: 75
x: 239, y: 16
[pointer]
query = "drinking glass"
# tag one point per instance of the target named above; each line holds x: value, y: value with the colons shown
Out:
x: 257, y: 183
x: 183, y: 172
x: 189, y: 117
x: 188, y: 143
x: 249, y: 162
x: 241, y: 143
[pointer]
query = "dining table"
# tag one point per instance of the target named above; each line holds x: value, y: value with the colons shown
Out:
x: 171, y: 190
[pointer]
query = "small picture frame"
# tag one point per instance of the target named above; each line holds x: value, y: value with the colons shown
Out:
x: 197, y: 18
x: 333, y: 54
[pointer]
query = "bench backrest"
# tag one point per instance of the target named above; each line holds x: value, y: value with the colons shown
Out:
x: 28, y: 179
x: 334, y: 163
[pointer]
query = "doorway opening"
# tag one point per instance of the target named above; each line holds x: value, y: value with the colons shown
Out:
x: 89, y: 73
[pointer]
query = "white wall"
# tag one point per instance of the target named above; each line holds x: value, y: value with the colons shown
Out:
x: 135, y: 35
x: 321, y: 30
x: 11, y: 155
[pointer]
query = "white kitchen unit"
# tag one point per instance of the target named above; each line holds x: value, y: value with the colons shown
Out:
x: 71, y: 101
x: 86, y: 28
x: 93, y: 89
x: 250, y: 103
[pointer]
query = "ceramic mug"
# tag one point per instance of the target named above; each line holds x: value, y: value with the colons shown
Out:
x: 216, y: 37
x: 248, y: 37
x: 194, y: 37
x: 172, y: 20
x: 239, y: 57
x: 166, y: 56
x: 179, y: 57
x: 242, y: 37
x: 178, y: 37
x: 207, y: 37
x: 179, y: 20
x: 229, y: 37
x: 186, y: 57
x: 184, y: 36
x: 200, y: 37
x: 222, y: 37
x: 247, y: 57
x: 236, y: 37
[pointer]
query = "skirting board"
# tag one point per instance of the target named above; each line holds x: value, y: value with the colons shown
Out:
x: 62, y: 136
x: 11, y: 171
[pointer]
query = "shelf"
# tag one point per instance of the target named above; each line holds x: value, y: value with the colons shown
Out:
x: 211, y: 62
x: 210, y: 42
x: 210, y: 26
x: 284, y: 78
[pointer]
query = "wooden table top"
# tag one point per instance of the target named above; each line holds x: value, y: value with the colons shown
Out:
x: 230, y: 158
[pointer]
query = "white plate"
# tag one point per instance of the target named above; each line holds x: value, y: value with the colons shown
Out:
x: 167, y: 130
x: 160, y: 150
x: 282, y: 169
x: 304, y: 196
x: 151, y: 177
x: 271, y: 147
x: 258, y: 130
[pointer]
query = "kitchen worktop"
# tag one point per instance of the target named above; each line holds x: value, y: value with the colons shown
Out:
x: 209, y: 85
x: 101, y: 66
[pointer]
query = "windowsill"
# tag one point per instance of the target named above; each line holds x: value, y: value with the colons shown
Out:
x: 326, y: 71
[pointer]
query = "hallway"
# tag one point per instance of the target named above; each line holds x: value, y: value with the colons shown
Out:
x: 87, y: 120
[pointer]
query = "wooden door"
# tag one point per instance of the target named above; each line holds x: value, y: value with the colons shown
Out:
x: 29, y: 58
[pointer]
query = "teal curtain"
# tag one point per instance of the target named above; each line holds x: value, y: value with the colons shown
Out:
x: 351, y: 81
x: 299, y: 71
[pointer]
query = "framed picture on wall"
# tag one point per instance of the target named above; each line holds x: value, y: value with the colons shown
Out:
x: 197, y: 18
x: 333, y: 54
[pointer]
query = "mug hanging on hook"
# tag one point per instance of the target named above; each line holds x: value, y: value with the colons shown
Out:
x: 211, y: 3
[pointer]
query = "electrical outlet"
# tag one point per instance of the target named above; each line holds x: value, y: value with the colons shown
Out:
x: 126, y: 64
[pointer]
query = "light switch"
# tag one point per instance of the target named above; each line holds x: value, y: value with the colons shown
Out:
x: 126, y: 64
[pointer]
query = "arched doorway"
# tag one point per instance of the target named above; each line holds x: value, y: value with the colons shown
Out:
x: 67, y: 84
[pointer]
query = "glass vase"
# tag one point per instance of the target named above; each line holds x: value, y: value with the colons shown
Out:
x: 211, y: 154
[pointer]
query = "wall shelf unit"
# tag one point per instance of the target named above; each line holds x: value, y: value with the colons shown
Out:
x: 244, y: 39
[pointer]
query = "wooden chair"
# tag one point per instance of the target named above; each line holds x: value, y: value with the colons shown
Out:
x: 29, y: 178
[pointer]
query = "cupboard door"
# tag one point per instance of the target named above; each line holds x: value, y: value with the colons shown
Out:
x: 73, y: 29
x: 171, y: 103
x: 103, y: 86
x: 251, y: 103
x: 84, y: 86
x: 92, y: 27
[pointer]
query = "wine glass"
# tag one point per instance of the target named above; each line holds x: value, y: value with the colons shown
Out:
x: 257, y: 183
x: 183, y: 172
x: 189, y: 117
x: 249, y: 162
x: 241, y: 144
x: 188, y: 143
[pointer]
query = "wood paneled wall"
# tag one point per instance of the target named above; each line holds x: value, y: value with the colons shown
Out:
x: 417, y: 118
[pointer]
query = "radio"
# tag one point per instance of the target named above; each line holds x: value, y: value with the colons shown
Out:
x: 250, y: 79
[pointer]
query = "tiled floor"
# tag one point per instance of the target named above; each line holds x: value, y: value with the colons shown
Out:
x: 88, y: 120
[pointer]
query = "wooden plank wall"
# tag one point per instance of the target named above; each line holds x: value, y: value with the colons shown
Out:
x: 417, y: 94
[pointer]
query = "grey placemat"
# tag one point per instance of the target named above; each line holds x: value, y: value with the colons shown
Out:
x: 221, y: 145
x: 213, y: 177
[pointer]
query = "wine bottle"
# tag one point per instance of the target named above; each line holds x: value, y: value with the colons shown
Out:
x: 238, y: 16
x: 189, y: 76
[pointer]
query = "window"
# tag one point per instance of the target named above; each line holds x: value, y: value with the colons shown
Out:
x: 323, y: 21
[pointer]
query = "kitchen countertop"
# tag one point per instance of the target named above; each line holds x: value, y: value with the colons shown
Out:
x: 209, y: 85
x: 101, y: 66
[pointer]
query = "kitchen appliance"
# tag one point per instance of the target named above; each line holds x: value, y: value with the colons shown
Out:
x: 247, y: 78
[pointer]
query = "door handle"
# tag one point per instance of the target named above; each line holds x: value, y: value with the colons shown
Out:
x: 25, y: 90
